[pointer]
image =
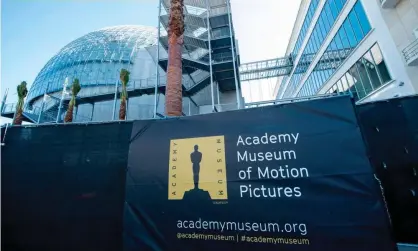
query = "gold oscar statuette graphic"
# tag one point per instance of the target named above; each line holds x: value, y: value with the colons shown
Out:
x: 197, y: 166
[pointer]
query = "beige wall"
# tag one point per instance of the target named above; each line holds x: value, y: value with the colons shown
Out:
x: 401, y: 21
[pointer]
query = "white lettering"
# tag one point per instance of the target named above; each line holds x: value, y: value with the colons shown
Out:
x: 242, y: 157
x: 295, y: 137
x: 240, y: 141
x: 268, y: 139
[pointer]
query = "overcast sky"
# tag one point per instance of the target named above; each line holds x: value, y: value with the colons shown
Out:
x: 33, y: 31
x: 263, y: 29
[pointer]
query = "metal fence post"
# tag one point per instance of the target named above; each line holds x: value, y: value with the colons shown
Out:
x: 228, y: 2
x: 61, y: 100
x: 114, y: 100
x: 210, y: 55
x: 157, y: 74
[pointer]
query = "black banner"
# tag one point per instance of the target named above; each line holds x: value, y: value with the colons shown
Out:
x: 289, y: 177
x: 63, y: 187
x: 390, y: 129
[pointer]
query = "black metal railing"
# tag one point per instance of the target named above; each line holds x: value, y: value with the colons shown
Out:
x: 411, y: 51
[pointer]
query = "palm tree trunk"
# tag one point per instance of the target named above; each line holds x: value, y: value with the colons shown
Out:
x: 69, y: 115
x: 19, y: 113
x: 19, y: 117
x: 122, y: 109
x: 174, y: 94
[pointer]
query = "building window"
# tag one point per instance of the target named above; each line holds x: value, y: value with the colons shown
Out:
x: 365, y: 76
x: 353, y: 30
x: 323, y: 26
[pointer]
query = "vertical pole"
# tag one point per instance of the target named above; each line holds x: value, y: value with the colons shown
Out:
x: 228, y: 3
x: 76, y: 112
x: 217, y: 87
x: 157, y: 74
x: 114, y: 100
x: 127, y: 109
x: 189, y: 108
x: 210, y: 54
x: 43, y: 103
x: 3, y: 103
x: 92, y: 112
x: 62, y: 99
x: 42, y: 108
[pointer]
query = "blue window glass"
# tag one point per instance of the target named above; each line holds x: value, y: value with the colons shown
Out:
x: 311, y: 10
x: 364, y: 22
x: 356, y: 26
x: 344, y: 39
x: 334, y: 10
x: 325, y: 22
x: 339, y: 5
x: 350, y: 34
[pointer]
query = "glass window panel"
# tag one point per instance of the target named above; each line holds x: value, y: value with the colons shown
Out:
x: 310, y: 47
x: 322, y: 28
x: 339, y: 5
x: 341, y: 84
x: 336, y: 55
x: 363, y: 76
x: 371, y: 70
x: 351, y: 85
x: 350, y: 34
x: 356, y: 26
x: 328, y: 12
x: 334, y: 11
x: 380, y: 63
x: 316, y: 77
x: 327, y: 74
x: 320, y: 76
x: 326, y: 21
x: 344, y: 39
x: 357, y: 81
x: 317, y: 40
x: 345, y: 82
x: 364, y: 22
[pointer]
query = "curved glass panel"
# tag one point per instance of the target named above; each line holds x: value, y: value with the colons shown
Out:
x: 96, y: 58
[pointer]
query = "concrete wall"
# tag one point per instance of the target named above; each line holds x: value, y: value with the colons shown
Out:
x: 401, y: 22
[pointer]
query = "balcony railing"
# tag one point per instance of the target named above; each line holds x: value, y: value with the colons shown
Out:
x: 410, y: 53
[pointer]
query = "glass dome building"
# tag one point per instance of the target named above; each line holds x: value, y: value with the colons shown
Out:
x: 95, y: 59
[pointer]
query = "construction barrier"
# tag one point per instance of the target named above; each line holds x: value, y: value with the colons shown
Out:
x: 289, y: 177
x: 390, y: 129
x: 63, y: 187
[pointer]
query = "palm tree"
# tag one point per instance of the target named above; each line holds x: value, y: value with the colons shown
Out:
x: 22, y: 91
x: 124, y: 79
x: 174, y: 95
x: 75, y: 89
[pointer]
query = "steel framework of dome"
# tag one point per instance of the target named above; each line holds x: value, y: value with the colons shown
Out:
x: 94, y: 58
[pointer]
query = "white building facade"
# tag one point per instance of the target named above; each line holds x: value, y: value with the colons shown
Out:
x: 368, y: 48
